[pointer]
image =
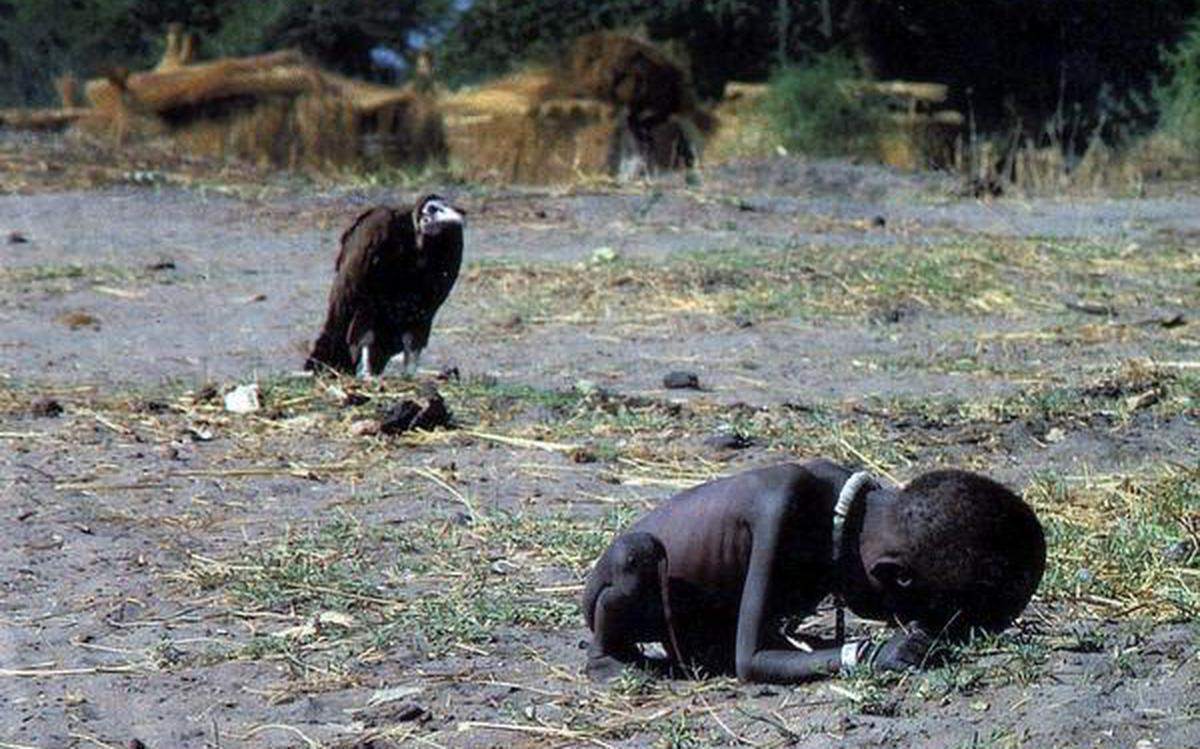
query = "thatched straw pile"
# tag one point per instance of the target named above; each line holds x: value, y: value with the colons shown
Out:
x: 278, y: 109
x: 616, y: 105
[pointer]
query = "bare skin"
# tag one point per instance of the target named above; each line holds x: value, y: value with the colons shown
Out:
x: 709, y: 571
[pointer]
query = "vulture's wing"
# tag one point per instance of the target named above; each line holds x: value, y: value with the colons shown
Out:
x: 351, y: 298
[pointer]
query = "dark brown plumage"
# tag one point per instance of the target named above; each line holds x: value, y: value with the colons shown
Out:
x: 394, y: 270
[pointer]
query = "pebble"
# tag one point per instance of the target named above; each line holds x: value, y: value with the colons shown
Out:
x: 680, y: 380
x: 46, y: 407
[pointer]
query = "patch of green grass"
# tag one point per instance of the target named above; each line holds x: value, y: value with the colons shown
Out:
x: 1123, y: 545
x: 983, y: 276
x: 321, y: 569
x: 679, y: 732
x: 65, y: 277
x: 998, y: 738
x: 813, y: 111
x: 447, y: 583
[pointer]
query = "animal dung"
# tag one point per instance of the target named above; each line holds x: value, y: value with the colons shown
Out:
x: 680, y: 380
x: 408, y: 415
x: 243, y: 399
x: 46, y: 407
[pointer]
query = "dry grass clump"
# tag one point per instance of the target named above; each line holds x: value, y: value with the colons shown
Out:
x: 276, y: 109
x: 574, y: 122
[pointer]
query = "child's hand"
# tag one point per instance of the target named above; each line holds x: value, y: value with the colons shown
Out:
x: 904, y: 651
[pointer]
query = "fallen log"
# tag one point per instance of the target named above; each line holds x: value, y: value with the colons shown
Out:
x: 41, y: 119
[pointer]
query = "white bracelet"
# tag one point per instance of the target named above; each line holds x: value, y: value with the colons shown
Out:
x: 849, y: 656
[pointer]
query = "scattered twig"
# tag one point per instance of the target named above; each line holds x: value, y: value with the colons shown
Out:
x: 521, y: 441
x: 40, y: 673
x: 92, y: 740
x: 279, y: 727
x: 562, y: 733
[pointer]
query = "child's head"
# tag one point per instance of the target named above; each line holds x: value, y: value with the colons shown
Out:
x: 971, y: 553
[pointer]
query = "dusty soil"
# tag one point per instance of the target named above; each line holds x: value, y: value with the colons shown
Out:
x: 186, y: 577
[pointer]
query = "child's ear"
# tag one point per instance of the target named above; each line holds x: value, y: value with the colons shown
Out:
x: 892, y: 573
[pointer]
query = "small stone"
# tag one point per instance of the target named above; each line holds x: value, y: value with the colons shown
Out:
x: 1179, y: 552
x: 582, y: 455
x: 162, y: 265
x: 243, y: 399
x: 680, y: 380
x: 46, y: 407
x: 602, y: 255
x: 364, y: 427
x: 448, y: 374
x: 1054, y: 435
x: 879, y: 222
x: 152, y: 406
x: 16, y: 237
x: 743, y: 321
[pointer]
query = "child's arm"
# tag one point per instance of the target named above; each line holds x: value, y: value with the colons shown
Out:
x: 905, y: 649
x: 751, y: 661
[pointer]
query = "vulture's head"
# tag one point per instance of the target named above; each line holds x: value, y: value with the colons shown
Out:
x: 434, y: 214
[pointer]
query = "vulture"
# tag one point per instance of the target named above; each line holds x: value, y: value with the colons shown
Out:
x: 394, y: 269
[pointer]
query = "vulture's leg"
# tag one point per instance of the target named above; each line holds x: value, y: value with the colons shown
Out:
x: 364, y: 363
x: 412, y: 355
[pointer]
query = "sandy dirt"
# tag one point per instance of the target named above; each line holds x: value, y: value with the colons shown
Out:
x: 139, y: 522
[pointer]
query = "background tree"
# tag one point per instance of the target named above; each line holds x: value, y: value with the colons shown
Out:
x: 41, y: 40
x: 1049, y: 68
x: 340, y: 34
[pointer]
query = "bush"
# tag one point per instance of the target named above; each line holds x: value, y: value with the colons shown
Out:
x: 812, y: 110
x: 1178, y: 95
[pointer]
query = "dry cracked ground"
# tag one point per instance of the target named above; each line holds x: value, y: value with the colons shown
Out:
x: 175, y: 575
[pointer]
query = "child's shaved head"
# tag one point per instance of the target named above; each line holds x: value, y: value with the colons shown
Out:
x: 975, y: 549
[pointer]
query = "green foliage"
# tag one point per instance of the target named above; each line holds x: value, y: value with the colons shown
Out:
x: 41, y: 40
x: 341, y: 33
x: 1178, y: 96
x: 495, y: 36
x: 813, y: 112
x: 723, y: 39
